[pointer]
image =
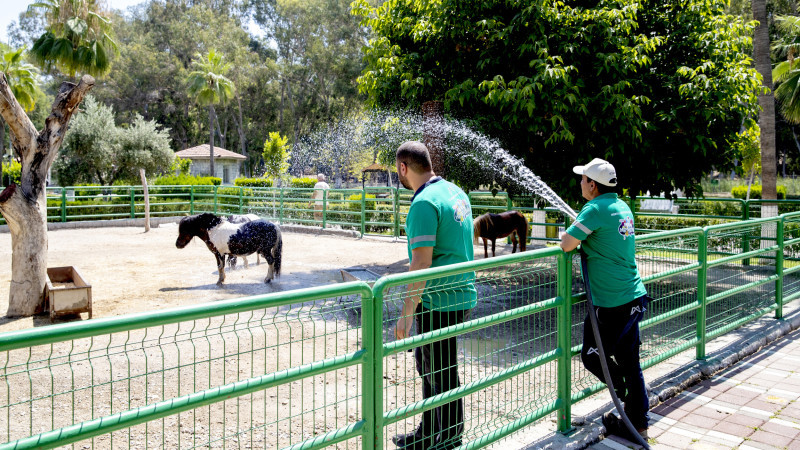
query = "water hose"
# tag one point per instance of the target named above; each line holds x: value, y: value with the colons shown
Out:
x: 603, y: 363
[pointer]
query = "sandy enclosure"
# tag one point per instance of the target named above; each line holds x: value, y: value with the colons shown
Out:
x: 133, y: 271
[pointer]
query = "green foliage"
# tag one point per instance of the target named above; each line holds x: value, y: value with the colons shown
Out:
x: 747, y: 148
x: 787, y: 72
x: 180, y: 166
x: 305, y: 182
x: 12, y: 171
x: 78, y: 38
x: 659, y: 88
x: 276, y: 155
x: 207, y: 82
x: 755, y: 192
x: 355, y: 202
x: 253, y: 182
x: 187, y: 180
x: 21, y: 77
x: 96, y: 150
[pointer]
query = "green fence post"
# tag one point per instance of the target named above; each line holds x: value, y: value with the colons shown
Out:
x: 64, y: 204
x: 632, y: 203
x: 133, y: 203
x: 191, y: 200
x: 368, y: 376
x: 280, y: 209
x: 363, y: 208
x: 509, y: 202
x: 564, y: 287
x: 779, y: 269
x: 215, y: 198
x: 702, y: 277
x: 396, y: 212
x: 241, y: 200
x: 377, y: 363
x: 746, y: 237
x: 324, y: 207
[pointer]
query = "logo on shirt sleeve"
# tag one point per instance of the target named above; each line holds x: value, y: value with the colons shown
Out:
x: 626, y: 227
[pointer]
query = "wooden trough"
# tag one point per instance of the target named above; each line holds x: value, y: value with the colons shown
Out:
x: 67, y: 292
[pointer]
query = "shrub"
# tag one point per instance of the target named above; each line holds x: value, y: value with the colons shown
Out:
x: 187, y: 180
x: 755, y: 191
x: 305, y: 182
x: 355, y: 205
x: 253, y: 182
x: 12, y: 171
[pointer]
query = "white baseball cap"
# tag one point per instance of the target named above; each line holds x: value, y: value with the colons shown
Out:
x: 598, y: 170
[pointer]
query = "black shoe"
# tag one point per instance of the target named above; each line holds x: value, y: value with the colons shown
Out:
x: 412, y: 441
x: 614, y: 425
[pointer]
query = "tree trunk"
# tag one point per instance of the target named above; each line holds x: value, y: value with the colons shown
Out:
x: 211, y: 138
x: 242, y: 136
x: 24, y: 207
x: 2, y: 150
x: 766, y: 102
x: 146, y: 195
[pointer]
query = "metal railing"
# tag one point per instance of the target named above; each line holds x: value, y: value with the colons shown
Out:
x: 319, y: 367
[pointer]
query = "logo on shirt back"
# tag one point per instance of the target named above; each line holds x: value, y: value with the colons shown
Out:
x: 626, y: 227
x: 461, y: 211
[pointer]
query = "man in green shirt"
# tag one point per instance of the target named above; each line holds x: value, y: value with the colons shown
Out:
x: 605, y: 229
x: 439, y: 232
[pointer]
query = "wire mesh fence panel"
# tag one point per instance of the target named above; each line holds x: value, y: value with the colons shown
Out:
x: 156, y: 368
x: 791, y: 257
x: 660, y: 214
x: 507, y: 348
x: 758, y: 209
x: 739, y: 286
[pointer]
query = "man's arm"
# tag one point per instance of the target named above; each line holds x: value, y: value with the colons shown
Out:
x: 421, y: 258
x: 568, y: 242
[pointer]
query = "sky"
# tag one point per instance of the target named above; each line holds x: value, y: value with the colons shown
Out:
x: 10, y: 9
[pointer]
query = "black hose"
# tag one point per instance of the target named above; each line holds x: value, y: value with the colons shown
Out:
x: 596, y: 330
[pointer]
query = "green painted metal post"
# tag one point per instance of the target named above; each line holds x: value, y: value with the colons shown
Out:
x: 377, y: 363
x: 702, y: 278
x: 632, y: 203
x: 191, y: 200
x: 280, y: 209
x: 396, y: 212
x: 779, y: 269
x: 215, y: 199
x: 64, y: 204
x: 363, y: 214
x: 368, y: 375
x: 241, y: 200
x: 133, y: 203
x: 324, y: 207
x: 746, y: 237
x: 564, y: 288
x: 509, y: 202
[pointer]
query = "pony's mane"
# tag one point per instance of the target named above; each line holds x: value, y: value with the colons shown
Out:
x: 482, y: 222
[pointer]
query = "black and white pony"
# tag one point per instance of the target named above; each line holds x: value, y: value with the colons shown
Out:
x: 241, y: 218
x: 223, y: 237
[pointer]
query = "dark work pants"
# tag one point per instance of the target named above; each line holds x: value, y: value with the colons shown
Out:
x: 437, y: 364
x: 619, y: 333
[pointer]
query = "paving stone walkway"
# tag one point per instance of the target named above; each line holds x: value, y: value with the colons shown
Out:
x: 751, y: 405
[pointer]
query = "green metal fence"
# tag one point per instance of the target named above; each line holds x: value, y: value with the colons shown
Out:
x: 319, y: 367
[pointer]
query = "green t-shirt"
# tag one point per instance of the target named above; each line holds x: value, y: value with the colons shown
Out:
x: 440, y: 216
x: 605, y: 225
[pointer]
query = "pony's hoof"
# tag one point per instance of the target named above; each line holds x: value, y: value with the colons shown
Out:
x: 268, y: 280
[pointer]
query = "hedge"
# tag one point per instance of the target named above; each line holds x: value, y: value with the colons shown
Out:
x: 755, y: 191
x: 306, y: 182
x: 253, y: 182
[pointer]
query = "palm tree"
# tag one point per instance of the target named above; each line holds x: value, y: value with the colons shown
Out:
x: 761, y: 55
x: 21, y: 78
x: 209, y: 86
x: 787, y: 72
x: 77, y: 38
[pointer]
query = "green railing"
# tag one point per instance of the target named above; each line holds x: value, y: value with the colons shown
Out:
x: 319, y: 367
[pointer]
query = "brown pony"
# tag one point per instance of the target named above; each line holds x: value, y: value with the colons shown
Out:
x: 493, y: 226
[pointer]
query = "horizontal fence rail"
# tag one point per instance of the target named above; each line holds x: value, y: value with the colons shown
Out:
x: 376, y: 210
x: 320, y: 367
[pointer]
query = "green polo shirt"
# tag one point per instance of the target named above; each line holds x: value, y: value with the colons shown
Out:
x: 440, y: 216
x: 605, y: 225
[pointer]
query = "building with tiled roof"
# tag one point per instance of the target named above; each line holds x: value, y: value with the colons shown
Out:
x: 227, y: 164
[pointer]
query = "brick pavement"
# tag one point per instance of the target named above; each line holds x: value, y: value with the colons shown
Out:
x: 750, y: 405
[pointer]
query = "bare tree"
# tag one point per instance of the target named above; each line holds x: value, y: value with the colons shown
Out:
x: 24, y: 206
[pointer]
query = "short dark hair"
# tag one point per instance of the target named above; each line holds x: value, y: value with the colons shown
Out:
x: 415, y: 155
x: 602, y: 188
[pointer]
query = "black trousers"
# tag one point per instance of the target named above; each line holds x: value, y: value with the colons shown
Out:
x: 437, y: 364
x: 619, y: 333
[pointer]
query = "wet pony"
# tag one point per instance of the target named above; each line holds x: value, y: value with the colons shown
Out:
x: 491, y: 227
x: 225, y: 238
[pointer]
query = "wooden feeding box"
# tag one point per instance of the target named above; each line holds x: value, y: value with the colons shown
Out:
x: 67, y: 292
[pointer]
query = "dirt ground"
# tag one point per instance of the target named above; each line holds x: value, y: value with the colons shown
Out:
x: 132, y: 271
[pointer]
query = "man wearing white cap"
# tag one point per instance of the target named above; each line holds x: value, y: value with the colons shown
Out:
x: 605, y: 229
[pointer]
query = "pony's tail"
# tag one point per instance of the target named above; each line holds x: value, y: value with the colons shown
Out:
x: 476, y: 230
x: 277, y: 252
